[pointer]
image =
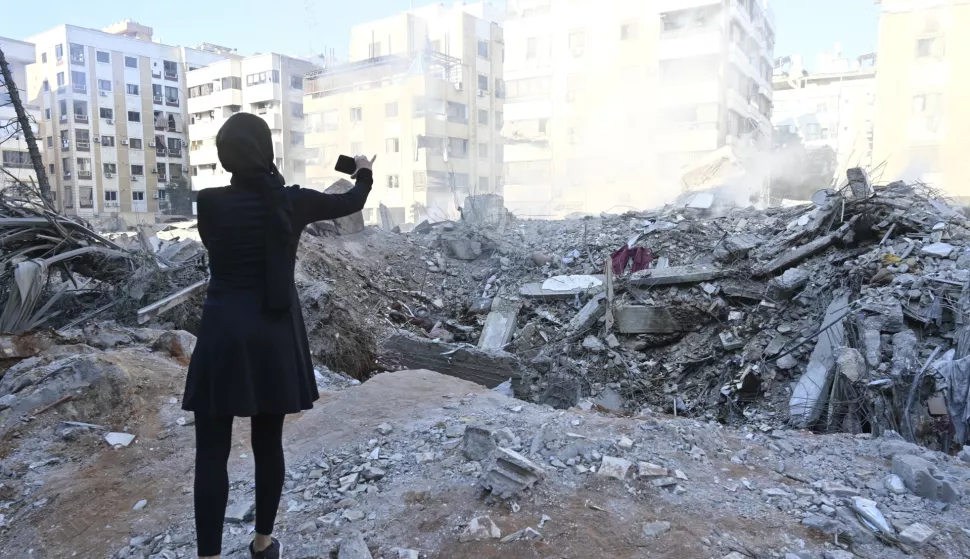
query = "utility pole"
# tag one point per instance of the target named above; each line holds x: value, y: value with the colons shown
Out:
x: 25, y: 129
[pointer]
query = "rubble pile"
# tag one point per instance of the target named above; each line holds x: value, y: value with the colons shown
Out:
x: 821, y: 315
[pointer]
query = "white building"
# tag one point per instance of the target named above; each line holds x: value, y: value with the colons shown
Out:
x: 606, y: 105
x: 114, y: 113
x: 15, y: 158
x: 269, y: 85
x: 832, y: 106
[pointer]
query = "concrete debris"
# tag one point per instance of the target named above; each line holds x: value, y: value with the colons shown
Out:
x: 654, y: 529
x: 478, y: 443
x: 480, y: 528
x: 500, y: 324
x: 806, y: 401
x: 917, y: 535
x: 354, y: 547
x: 614, y: 467
x: 510, y: 474
x: 119, y: 440
x: 639, y: 319
x: 675, y: 275
x: 923, y: 478
x: 526, y: 534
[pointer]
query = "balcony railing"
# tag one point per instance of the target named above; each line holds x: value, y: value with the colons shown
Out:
x: 85, y: 175
x: 172, y: 102
x: 157, y: 75
x: 17, y: 165
x: 157, y: 99
x: 176, y: 152
x: 79, y: 88
x: 171, y: 75
x: 63, y: 118
x: 77, y: 59
x: 80, y: 118
x: 83, y: 145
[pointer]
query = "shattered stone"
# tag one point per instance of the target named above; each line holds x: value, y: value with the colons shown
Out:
x: 917, y: 534
x: 354, y: 547
x: 651, y: 471
x: 353, y: 515
x: 938, y: 250
x: 592, y: 344
x: 837, y: 489
x: 240, y: 512
x: 850, y: 363
x: 894, y: 484
x: 614, y: 467
x: 510, y: 474
x: 480, y: 528
x: 654, y: 529
x: 527, y: 534
x: 385, y: 429
x: 177, y: 343
x: 119, y: 439
x: 478, y: 442
x: 923, y: 479
x: 625, y: 443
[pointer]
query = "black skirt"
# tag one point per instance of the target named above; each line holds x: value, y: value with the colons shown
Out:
x: 248, y: 363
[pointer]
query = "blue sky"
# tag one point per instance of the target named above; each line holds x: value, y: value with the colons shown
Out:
x: 303, y: 27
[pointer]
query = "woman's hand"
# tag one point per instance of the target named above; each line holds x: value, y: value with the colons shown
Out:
x: 363, y: 163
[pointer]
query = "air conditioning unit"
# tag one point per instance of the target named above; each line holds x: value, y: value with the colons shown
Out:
x: 124, y: 142
x: 103, y: 93
x: 459, y: 86
x: 154, y: 196
x: 154, y: 171
x: 97, y: 140
x: 134, y: 178
x: 151, y: 144
x: 185, y: 144
x: 481, y: 93
x: 109, y: 175
x: 108, y: 121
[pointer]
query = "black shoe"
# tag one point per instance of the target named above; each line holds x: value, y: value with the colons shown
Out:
x: 274, y: 551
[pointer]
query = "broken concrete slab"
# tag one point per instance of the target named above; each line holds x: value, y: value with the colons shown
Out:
x: 500, y: 324
x: 885, y: 314
x: 790, y: 258
x: 478, y: 442
x: 939, y: 250
x: 858, y: 182
x: 923, y: 479
x: 917, y: 534
x: 806, y: 403
x: 850, y: 363
x: 510, y: 474
x: 641, y: 319
x: 354, y: 547
x: 119, y: 439
x: 790, y: 282
x: 614, y: 467
x: 536, y: 290
x: 737, y: 246
x: 462, y: 248
x: 905, y: 359
x: 675, y: 275
x: 587, y: 316
x: 480, y: 528
x: 487, y: 368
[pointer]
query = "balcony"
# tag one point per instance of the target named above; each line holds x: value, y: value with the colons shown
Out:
x: 83, y: 145
x: 172, y: 76
x: 161, y: 152
x: 157, y: 99
x: 85, y: 175
x: 77, y: 59
x: 83, y: 119
x: 175, y: 152
x: 63, y: 119
x: 172, y: 102
x: 79, y: 88
x: 156, y: 75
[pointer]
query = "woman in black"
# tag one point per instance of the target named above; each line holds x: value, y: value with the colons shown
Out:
x: 252, y: 358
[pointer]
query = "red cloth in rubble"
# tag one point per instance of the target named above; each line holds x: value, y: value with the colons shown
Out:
x: 642, y: 257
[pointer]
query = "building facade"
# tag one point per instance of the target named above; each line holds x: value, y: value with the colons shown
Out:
x: 269, y: 85
x: 424, y: 91
x: 922, y: 125
x: 113, y: 122
x: 606, y: 106
x: 15, y: 163
x: 833, y: 106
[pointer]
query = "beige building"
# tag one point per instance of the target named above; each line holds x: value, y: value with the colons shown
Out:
x: 424, y: 91
x: 269, y: 85
x: 922, y: 126
x: 113, y: 113
x: 832, y: 106
x: 15, y: 163
x: 607, y: 106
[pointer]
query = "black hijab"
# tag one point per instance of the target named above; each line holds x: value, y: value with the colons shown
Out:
x: 245, y: 146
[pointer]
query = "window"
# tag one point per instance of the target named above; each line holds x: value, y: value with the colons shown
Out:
x: 107, y: 141
x: 106, y: 113
x: 482, y: 117
x: 392, y: 145
x: 577, y: 42
x: 81, y: 111
x: 390, y: 110
x: 62, y: 105
x: 110, y: 195
x: 50, y: 141
x: 296, y: 82
x: 531, y: 48
x: 157, y: 93
x: 483, y: 184
x: 500, y: 88
x: 296, y: 138
x: 50, y: 169
x: 263, y: 77
x: 393, y: 181
x: 482, y: 49
x: 482, y: 82
x: 812, y: 131
x: 296, y: 109
x: 104, y: 85
x: 79, y: 82
x: 543, y: 125
x: 138, y: 195
x: 197, y: 91
x: 930, y: 47
x: 16, y: 159
x: 59, y: 51
x: 171, y: 69
x: 628, y: 31
x: 499, y: 120
x: 356, y: 114
x: 171, y: 96
x: 43, y: 57
x: 46, y: 86
x: 60, y: 80
x: 529, y: 87
x: 374, y: 50
x: 175, y: 170
x: 111, y: 168
x: 232, y: 82
x: 131, y: 62
x: 174, y: 146
x: 138, y: 170
x: 483, y: 151
x: 458, y: 147
x: 457, y: 112
x: 134, y: 143
x: 134, y: 116
x: 499, y: 154
x: 132, y: 89
x: 102, y: 57
x: 47, y: 114
x: 77, y: 54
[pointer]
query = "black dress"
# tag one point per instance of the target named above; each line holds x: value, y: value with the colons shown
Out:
x: 247, y: 362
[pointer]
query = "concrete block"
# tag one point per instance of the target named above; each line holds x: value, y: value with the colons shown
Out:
x: 923, y: 479
x: 510, y: 474
x: 917, y: 534
x: 500, y: 324
x: 643, y: 320
x: 587, y: 316
x: 675, y: 275
x: 478, y: 442
x: 807, y: 400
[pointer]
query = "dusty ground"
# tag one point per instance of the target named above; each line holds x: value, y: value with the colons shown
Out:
x: 81, y: 506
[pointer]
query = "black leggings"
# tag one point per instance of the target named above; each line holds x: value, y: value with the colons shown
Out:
x: 213, y: 439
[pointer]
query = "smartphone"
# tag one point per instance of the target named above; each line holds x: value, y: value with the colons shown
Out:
x: 346, y: 165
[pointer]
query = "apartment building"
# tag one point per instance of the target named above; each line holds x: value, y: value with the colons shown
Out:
x: 269, y: 85
x: 424, y: 91
x: 922, y: 124
x: 606, y: 106
x: 113, y: 115
x: 15, y: 161
x: 833, y: 106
